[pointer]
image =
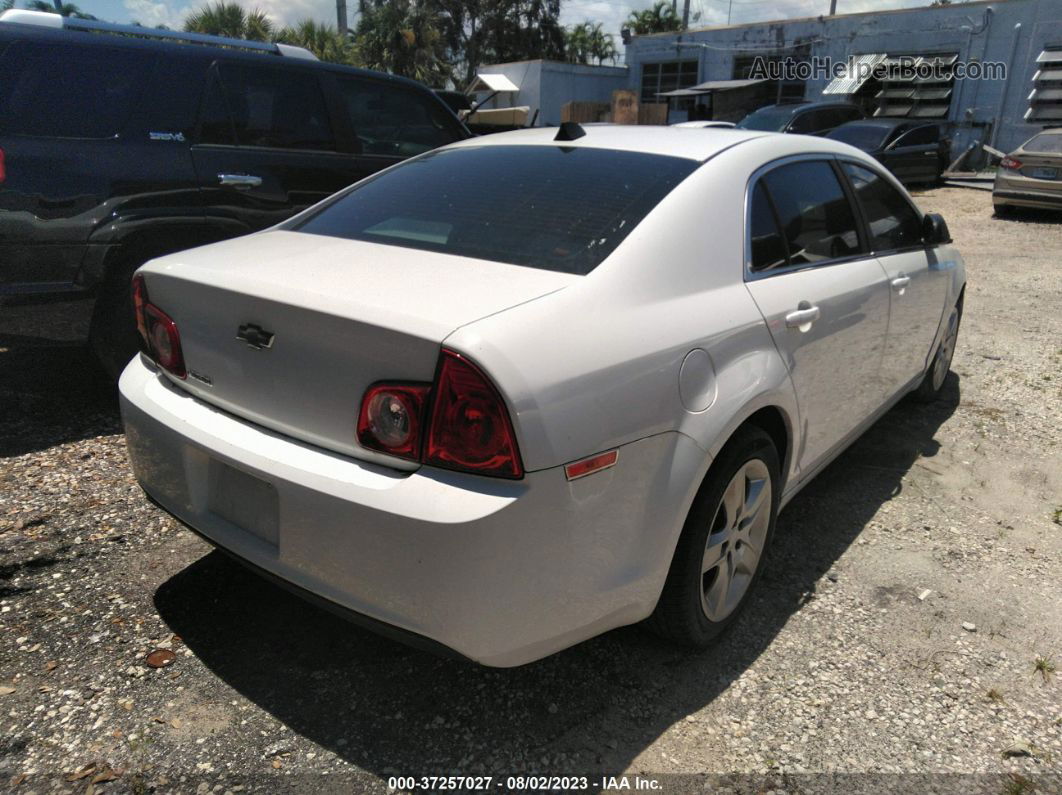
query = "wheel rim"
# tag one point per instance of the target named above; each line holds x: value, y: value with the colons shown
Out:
x: 736, y: 539
x: 942, y: 363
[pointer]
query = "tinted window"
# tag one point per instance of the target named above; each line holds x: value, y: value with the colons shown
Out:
x: 892, y: 220
x: 921, y: 136
x: 62, y: 91
x: 806, y: 122
x: 550, y: 207
x: 867, y: 137
x: 772, y: 118
x: 272, y: 107
x: 391, y: 120
x: 768, y: 248
x: 814, y: 212
x: 215, y: 122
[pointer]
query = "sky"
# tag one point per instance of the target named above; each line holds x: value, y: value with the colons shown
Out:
x: 610, y: 13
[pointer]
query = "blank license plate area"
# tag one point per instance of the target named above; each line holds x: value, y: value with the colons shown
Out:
x: 244, y: 500
x: 1045, y: 173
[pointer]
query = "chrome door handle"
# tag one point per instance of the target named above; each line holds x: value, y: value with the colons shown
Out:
x: 239, y: 180
x: 802, y: 318
x: 900, y: 282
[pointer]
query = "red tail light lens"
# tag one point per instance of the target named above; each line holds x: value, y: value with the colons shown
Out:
x: 459, y: 422
x: 1010, y: 163
x: 470, y: 428
x: 3, y: 167
x: 391, y: 419
x: 159, y: 337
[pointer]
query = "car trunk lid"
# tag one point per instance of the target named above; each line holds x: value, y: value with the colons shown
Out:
x: 287, y: 330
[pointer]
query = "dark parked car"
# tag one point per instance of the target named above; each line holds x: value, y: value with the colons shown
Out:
x: 119, y: 144
x: 915, y: 151
x: 802, y: 118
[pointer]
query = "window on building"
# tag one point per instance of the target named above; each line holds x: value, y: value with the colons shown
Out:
x: 667, y: 76
x: 785, y: 90
x: 1045, y: 101
x: 916, y: 86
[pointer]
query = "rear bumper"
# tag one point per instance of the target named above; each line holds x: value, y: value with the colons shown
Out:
x: 501, y: 572
x: 1025, y: 192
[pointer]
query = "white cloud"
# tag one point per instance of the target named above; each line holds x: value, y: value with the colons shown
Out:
x: 154, y: 12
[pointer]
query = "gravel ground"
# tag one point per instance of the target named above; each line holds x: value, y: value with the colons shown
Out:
x: 894, y: 643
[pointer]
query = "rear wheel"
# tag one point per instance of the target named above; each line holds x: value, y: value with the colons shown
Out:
x: 929, y: 389
x: 113, y: 334
x: 720, y: 553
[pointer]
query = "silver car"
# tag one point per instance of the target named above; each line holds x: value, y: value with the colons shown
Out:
x: 523, y: 389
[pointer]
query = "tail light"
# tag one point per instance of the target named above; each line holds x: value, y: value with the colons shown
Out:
x: 459, y: 422
x: 159, y: 337
x: 3, y: 167
x: 1010, y: 163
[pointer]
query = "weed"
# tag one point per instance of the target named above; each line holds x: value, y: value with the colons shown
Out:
x: 1044, y: 666
x: 994, y: 695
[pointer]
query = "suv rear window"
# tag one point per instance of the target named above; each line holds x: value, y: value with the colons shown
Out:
x: 69, y: 91
x: 551, y: 207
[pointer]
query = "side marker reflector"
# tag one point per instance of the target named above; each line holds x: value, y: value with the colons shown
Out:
x: 588, y: 466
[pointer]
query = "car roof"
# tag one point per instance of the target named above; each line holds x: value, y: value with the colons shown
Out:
x: 796, y: 107
x: 884, y: 124
x: 698, y: 144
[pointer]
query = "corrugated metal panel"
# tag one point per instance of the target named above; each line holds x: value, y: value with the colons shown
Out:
x: 932, y: 94
x: 1045, y: 100
x: 929, y: 112
x: 1048, y: 74
x: 1044, y: 113
x: 893, y: 111
x: 857, y: 72
x: 895, y: 93
x: 1046, y: 95
x: 1050, y: 56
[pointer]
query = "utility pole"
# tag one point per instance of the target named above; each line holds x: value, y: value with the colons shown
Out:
x: 833, y: 7
x: 341, y: 16
x: 685, y: 14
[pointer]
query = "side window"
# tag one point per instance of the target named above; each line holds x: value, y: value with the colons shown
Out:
x: 892, y: 221
x: 816, y: 219
x: 805, y: 122
x: 922, y: 136
x: 851, y: 114
x: 271, y: 107
x: 766, y: 243
x: 67, y: 91
x: 215, y: 123
x: 391, y: 120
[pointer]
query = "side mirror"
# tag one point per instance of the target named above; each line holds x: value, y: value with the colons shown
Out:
x: 935, y: 230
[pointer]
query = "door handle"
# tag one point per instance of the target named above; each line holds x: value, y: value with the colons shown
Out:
x: 241, y: 181
x: 900, y: 282
x: 802, y: 318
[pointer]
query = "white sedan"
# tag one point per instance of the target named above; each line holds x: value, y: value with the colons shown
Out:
x: 523, y: 389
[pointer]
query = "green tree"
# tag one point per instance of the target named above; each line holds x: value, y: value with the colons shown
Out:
x: 478, y: 32
x: 229, y: 19
x: 6, y: 4
x: 66, y: 9
x: 661, y: 18
x: 588, y: 43
x: 324, y: 41
x: 402, y: 37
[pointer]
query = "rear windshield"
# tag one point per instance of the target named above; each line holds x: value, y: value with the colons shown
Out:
x: 1048, y: 143
x: 551, y: 207
x: 867, y: 137
x: 67, y: 91
x: 772, y: 118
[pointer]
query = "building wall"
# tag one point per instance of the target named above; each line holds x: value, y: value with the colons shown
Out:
x: 546, y: 86
x: 1010, y: 31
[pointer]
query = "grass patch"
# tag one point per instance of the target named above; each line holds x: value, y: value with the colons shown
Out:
x: 1044, y: 666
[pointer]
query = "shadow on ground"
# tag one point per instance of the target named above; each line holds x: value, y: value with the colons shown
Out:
x: 389, y: 709
x: 51, y: 395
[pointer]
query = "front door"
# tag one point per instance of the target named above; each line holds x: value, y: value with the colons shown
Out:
x: 918, y: 283
x: 825, y: 300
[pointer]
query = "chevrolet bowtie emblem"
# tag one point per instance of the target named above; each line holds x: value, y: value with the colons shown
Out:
x: 255, y: 336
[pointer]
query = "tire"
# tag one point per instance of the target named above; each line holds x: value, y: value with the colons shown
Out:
x: 931, y: 386
x: 700, y: 601
x: 1002, y: 210
x: 113, y: 334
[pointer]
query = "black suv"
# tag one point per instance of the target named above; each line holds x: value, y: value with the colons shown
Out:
x: 803, y: 118
x: 119, y: 144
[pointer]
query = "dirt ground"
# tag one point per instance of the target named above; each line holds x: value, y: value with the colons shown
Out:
x: 904, y: 636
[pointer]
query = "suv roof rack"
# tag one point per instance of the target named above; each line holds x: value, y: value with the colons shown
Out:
x: 47, y: 19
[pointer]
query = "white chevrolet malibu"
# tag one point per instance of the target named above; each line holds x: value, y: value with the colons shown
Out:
x: 521, y: 390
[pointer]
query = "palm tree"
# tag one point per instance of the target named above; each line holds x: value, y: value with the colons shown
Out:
x: 403, y: 38
x: 229, y: 19
x: 66, y: 9
x: 587, y: 42
x: 661, y: 18
x: 324, y: 41
x: 6, y: 4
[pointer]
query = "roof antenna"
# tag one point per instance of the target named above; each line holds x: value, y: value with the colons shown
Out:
x: 569, y: 131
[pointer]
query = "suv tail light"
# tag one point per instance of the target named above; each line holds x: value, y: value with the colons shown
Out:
x: 159, y: 337
x: 459, y: 422
x: 1010, y: 163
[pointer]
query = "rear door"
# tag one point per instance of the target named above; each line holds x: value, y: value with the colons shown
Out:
x: 267, y: 147
x: 825, y: 299
x: 918, y: 282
